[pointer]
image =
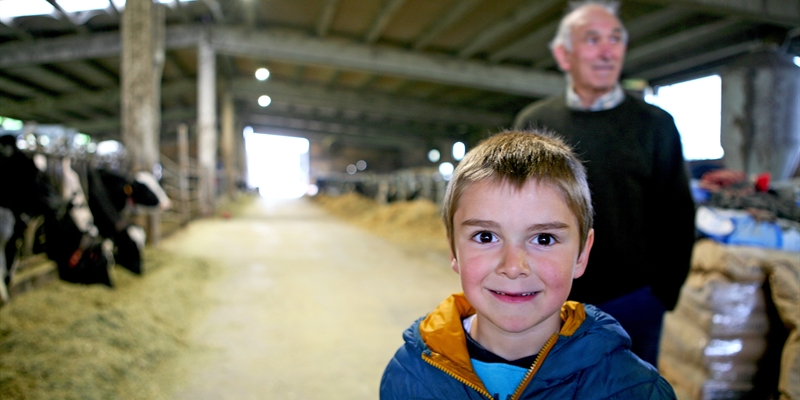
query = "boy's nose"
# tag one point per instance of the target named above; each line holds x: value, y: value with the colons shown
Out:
x: 514, y: 263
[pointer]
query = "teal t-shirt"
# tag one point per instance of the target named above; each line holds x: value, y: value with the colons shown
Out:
x: 500, y: 376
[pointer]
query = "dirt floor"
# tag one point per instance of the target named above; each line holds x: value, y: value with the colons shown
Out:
x: 292, y: 300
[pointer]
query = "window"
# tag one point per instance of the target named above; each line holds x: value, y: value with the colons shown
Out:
x: 696, y: 106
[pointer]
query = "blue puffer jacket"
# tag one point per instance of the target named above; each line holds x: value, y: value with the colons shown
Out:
x: 590, y: 359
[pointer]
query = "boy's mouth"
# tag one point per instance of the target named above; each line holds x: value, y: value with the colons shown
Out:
x: 513, y: 297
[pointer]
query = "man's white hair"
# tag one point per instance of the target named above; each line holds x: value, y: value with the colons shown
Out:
x: 564, y: 33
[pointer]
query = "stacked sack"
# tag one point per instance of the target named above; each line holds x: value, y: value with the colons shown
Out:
x: 734, y: 332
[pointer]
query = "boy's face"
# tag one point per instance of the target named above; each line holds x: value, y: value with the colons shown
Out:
x: 517, y: 252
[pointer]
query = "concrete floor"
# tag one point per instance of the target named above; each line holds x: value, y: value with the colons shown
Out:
x: 309, y: 307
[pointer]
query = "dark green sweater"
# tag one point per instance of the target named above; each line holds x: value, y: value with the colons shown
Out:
x: 644, y: 214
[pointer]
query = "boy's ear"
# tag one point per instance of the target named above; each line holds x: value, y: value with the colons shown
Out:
x: 560, y: 54
x: 583, y: 259
x: 454, y: 263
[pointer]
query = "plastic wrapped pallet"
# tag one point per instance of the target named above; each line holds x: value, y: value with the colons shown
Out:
x: 784, y: 280
x: 723, y: 308
x: 713, y: 341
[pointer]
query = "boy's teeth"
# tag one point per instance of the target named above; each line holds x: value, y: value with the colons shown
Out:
x: 518, y: 295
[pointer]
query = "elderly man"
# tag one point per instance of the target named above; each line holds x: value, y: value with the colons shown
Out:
x: 644, y: 211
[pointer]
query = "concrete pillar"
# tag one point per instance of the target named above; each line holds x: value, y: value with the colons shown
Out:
x: 228, y: 145
x: 142, y: 61
x: 183, y: 174
x: 138, y: 101
x: 159, y: 46
x: 241, y: 154
x: 206, y: 126
x: 761, y: 114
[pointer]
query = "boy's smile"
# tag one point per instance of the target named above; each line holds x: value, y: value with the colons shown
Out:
x: 517, y: 251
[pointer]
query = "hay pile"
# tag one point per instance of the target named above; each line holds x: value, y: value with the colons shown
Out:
x: 66, y: 341
x: 411, y: 223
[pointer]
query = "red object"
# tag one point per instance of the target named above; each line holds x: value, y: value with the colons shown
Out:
x: 762, y: 182
x: 75, y: 258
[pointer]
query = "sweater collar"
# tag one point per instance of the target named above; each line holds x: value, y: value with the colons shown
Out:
x: 604, y: 102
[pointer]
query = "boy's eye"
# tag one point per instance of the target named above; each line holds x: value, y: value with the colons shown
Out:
x: 544, y: 239
x: 484, y: 237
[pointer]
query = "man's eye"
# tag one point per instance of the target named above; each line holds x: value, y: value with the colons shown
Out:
x: 484, y: 237
x: 544, y: 239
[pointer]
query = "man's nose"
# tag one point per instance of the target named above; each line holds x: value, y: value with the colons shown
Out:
x: 607, y: 50
x: 514, y: 263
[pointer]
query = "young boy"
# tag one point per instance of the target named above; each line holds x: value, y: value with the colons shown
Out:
x: 518, y: 215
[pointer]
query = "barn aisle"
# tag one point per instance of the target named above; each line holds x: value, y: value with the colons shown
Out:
x: 308, y: 306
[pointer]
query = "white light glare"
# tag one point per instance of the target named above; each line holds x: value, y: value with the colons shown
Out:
x: 459, y: 150
x: 351, y: 169
x: 262, y: 74
x: 108, y: 147
x: 22, y: 8
x: 82, y: 5
x: 434, y: 155
x: 446, y: 170
x: 361, y: 165
x: 264, y: 100
x: 277, y: 165
x: 248, y: 130
x: 796, y: 60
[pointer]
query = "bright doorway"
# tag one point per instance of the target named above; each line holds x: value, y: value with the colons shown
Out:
x: 276, y: 165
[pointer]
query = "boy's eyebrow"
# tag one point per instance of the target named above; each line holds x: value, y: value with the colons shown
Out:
x: 548, y: 226
x: 545, y: 226
x: 481, y: 223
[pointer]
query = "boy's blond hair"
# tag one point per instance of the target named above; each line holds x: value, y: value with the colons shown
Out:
x: 516, y: 157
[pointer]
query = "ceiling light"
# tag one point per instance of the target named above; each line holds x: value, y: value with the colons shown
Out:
x: 262, y: 74
x: 434, y: 155
x: 459, y: 149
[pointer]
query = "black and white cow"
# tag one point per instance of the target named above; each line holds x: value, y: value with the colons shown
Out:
x: 109, y: 195
x: 6, y: 232
x: 71, y: 239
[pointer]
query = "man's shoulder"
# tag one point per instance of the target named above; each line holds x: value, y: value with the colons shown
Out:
x: 537, y: 110
x: 634, y: 102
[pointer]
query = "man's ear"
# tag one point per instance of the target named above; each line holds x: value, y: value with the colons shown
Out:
x: 562, y: 58
x: 583, y: 259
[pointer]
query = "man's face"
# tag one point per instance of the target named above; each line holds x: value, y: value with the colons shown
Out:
x: 597, y: 55
x: 517, y: 252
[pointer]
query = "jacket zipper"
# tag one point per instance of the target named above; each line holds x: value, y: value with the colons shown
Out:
x: 525, y: 380
x: 460, y: 379
x: 528, y: 376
